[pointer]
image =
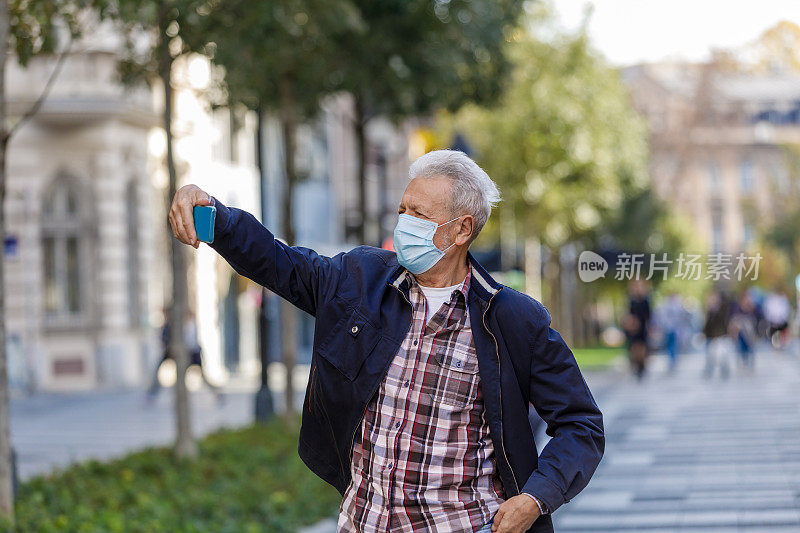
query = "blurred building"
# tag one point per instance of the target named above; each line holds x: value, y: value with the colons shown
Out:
x: 719, y: 145
x: 80, y: 233
x: 87, y: 252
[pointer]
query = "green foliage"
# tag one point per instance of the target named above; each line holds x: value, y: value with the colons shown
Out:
x: 269, y: 50
x: 153, y: 31
x: 563, y: 143
x: 249, y: 479
x: 399, y: 57
x: 419, y: 55
x: 35, y: 25
x: 644, y: 224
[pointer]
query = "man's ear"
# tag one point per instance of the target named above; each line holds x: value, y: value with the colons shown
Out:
x: 465, y: 229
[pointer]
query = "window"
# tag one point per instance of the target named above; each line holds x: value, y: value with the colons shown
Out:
x: 747, y: 176
x: 717, y: 231
x: 133, y: 244
x: 747, y: 236
x: 63, y: 234
x: 714, y: 183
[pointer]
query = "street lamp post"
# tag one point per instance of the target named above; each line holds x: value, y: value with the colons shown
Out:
x: 264, y: 405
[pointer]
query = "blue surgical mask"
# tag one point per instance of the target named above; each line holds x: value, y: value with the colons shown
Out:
x: 413, y: 242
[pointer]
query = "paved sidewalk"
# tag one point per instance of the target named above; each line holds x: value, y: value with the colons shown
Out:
x: 50, y: 430
x: 55, y: 430
x: 687, y: 454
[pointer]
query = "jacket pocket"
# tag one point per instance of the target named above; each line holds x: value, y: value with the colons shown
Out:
x: 349, y: 343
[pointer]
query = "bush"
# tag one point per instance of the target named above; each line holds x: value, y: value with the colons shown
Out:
x: 244, y: 480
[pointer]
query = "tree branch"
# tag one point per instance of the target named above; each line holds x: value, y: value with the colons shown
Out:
x: 45, y: 92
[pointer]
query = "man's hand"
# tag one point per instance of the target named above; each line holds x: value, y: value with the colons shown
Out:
x: 181, y: 216
x: 516, y: 515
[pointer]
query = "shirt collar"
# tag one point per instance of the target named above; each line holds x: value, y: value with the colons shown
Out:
x: 463, y: 287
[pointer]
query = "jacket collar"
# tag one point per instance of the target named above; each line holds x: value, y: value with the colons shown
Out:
x: 481, y: 283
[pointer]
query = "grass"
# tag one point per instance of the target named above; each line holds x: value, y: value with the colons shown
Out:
x: 244, y: 480
x: 597, y: 357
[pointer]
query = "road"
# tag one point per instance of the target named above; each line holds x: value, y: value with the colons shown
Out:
x: 687, y: 454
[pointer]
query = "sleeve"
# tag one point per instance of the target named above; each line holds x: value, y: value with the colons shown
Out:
x: 297, y: 274
x: 563, y: 400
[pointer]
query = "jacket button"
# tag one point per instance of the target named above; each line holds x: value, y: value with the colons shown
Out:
x: 354, y: 329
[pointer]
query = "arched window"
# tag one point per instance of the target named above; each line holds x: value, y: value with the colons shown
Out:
x: 133, y: 232
x: 64, y: 252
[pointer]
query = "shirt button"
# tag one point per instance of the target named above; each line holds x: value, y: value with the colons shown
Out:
x: 406, y: 383
x: 415, y: 343
x: 397, y: 425
x: 354, y: 329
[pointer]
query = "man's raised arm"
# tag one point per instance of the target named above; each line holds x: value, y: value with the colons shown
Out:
x: 300, y: 275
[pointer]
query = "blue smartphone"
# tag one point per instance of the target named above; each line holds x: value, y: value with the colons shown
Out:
x: 204, y: 216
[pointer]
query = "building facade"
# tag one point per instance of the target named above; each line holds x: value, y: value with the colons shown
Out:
x: 721, y: 146
x: 80, y: 239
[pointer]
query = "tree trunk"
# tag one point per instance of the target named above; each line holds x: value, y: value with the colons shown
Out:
x: 185, y: 446
x: 288, y: 311
x: 566, y: 305
x: 508, y: 240
x: 361, y: 149
x: 6, y: 481
x: 533, y: 268
x: 555, y: 291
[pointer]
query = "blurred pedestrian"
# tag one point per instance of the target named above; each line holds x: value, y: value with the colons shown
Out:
x: 672, y: 318
x: 719, y: 347
x: 776, y: 312
x: 195, y: 357
x: 636, y: 325
x: 743, y: 326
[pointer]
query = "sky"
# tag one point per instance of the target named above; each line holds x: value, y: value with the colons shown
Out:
x: 633, y: 31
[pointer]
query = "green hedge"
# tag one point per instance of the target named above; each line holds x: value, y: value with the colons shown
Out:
x: 598, y: 357
x: 245, y: 480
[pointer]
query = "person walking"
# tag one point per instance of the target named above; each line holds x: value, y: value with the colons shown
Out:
x: 637, y: 325
x: 719, y: 346
x: 743, y: 326
x: 776, y: 312
x: 424, y: 366
x: 672, y: 319
x: 195, y: 357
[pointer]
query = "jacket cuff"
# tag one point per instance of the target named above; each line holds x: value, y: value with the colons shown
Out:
x: 222, y: 218
x: 542, y: 507
x: 545, y: 491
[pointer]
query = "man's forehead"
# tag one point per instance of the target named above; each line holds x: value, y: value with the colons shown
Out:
x: 427, y: 192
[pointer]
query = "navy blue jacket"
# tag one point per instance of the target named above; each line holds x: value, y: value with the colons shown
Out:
x: 360, y: 301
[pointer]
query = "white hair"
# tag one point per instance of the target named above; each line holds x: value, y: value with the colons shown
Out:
x: 473, y: 191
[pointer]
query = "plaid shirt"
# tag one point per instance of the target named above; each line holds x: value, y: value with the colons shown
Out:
x: 423, y: 459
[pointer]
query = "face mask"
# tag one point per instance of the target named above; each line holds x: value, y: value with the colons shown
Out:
x: 413, y: 242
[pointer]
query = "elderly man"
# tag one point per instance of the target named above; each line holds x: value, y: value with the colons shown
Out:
x: 424, y: 367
